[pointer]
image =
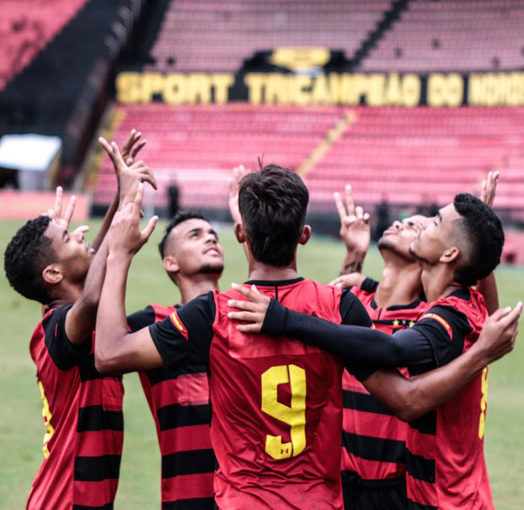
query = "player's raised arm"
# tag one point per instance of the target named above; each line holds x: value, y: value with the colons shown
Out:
x: 117, y: 351
x: 410, y: 398
x: 354, y: 231
x: 488, y: 286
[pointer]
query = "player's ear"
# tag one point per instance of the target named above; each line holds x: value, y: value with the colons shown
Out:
x: 451, y: 254
x: 240, y: 233
x: 305, y: 235
x: 170, y: 264
x: 52, y: 274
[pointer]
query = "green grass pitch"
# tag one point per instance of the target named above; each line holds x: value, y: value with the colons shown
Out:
x: 21, y: 426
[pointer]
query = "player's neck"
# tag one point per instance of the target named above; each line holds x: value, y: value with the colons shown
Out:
x: 400, y: 284
x: 65, y: 293
x: 190, y: 288
x: 266, y: 272
x: 438, y: 281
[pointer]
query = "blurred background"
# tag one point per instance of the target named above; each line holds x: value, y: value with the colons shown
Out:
x: 410, y: 101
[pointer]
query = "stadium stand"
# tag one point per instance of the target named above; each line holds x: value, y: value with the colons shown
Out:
x: 452, y: 35
x: 210, y: 36
x: 406, y: 155
x: 26, y: 26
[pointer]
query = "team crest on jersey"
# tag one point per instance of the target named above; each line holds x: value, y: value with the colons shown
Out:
x: 444, y: 323
x: 175, y: 319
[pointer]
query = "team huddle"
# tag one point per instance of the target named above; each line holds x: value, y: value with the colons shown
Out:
x: 281, y: 393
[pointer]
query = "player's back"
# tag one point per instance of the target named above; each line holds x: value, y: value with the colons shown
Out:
x: 277, y: 408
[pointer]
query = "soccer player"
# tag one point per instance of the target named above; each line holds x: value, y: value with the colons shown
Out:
x: 179, y: 398
x: 82, y: 410
x: 374, y: 452
x: 445, y: 464
x: 276, y: 422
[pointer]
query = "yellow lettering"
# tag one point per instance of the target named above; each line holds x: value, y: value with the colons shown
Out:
x: 221, y: 83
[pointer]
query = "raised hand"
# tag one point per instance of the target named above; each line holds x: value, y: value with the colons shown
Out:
x: 499, y: 333
x: 489, y: 187
x: 253, y: 311
x: 125, y: 236
x: 355, y: 229
x: 128, y: 175
x: 132, y: 146
x: 234, y: 183
x: 63, y: 218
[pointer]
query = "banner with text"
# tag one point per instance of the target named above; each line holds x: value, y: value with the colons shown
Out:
x: 317, y: 77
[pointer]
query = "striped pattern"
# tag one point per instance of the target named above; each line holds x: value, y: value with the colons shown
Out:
x: 373, y: 439
x: 85, y: 409
x: 179, y: 402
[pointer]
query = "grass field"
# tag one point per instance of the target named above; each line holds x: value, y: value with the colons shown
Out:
x: 21, y: 427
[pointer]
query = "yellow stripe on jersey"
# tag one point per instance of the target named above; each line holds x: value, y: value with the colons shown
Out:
x: 443, y: 322
x: 175, y: 319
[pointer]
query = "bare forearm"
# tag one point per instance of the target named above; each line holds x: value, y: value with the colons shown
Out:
x: 353, y: 262
x: 80, y: 320
x: 108, y: 218
x: 488, y: 288
x: 411, y: 398
x: 111, y: 323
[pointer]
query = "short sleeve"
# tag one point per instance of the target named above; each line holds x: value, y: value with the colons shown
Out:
x: 185, y: 335
x: 64, y: 354
x: 369, y: 285
x: 141, y: 319
x: 352, y: 311
x: 446, y: 329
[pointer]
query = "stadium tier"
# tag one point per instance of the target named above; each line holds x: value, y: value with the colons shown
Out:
x: 408, y: 156
x: 451, y: 35
x: 220, y: 36
x: 26, y: 26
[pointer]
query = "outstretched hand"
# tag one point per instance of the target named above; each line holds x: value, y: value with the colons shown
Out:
x: 128, y: 175
x: 489, y: 188
x: 499, y: 333
x: 253, y: 311
x: 125, y: 236
x: 355, y: 229
x: 132, y: 146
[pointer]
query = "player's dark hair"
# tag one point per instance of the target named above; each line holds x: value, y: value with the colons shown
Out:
x: 180, y: 217
x: 26, y: 256
x: 485, y: 236
x: 273, y: 204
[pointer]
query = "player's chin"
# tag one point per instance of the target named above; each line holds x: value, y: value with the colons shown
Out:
x: 215, y: 267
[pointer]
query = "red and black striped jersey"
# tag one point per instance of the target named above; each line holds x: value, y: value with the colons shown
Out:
x: 276, y: 402
x: 374, y: 440
x: 446, y: 468
x: 179, y: 402
x: 82, y: 413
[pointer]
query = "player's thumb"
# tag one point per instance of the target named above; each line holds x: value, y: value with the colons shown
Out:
x: 148, y: 230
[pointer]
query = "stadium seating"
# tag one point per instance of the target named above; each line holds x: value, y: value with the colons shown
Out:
x: 26, y: 26
x: 405, y: 155
x: 219, y: 36
x: 452, y: 35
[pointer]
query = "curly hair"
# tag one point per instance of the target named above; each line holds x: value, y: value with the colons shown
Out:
x: 483, y: 232
x: 180, y: 217
x: 26, y: 256
x: 273, y: 204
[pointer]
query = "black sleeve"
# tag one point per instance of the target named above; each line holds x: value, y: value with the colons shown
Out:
x: 141, y: 319
x: 185, y: 336
x: 355, y: 344
x: 445, y: 329
x: 64, y: 354
x: 352, y: 310
x: 369, y: 285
